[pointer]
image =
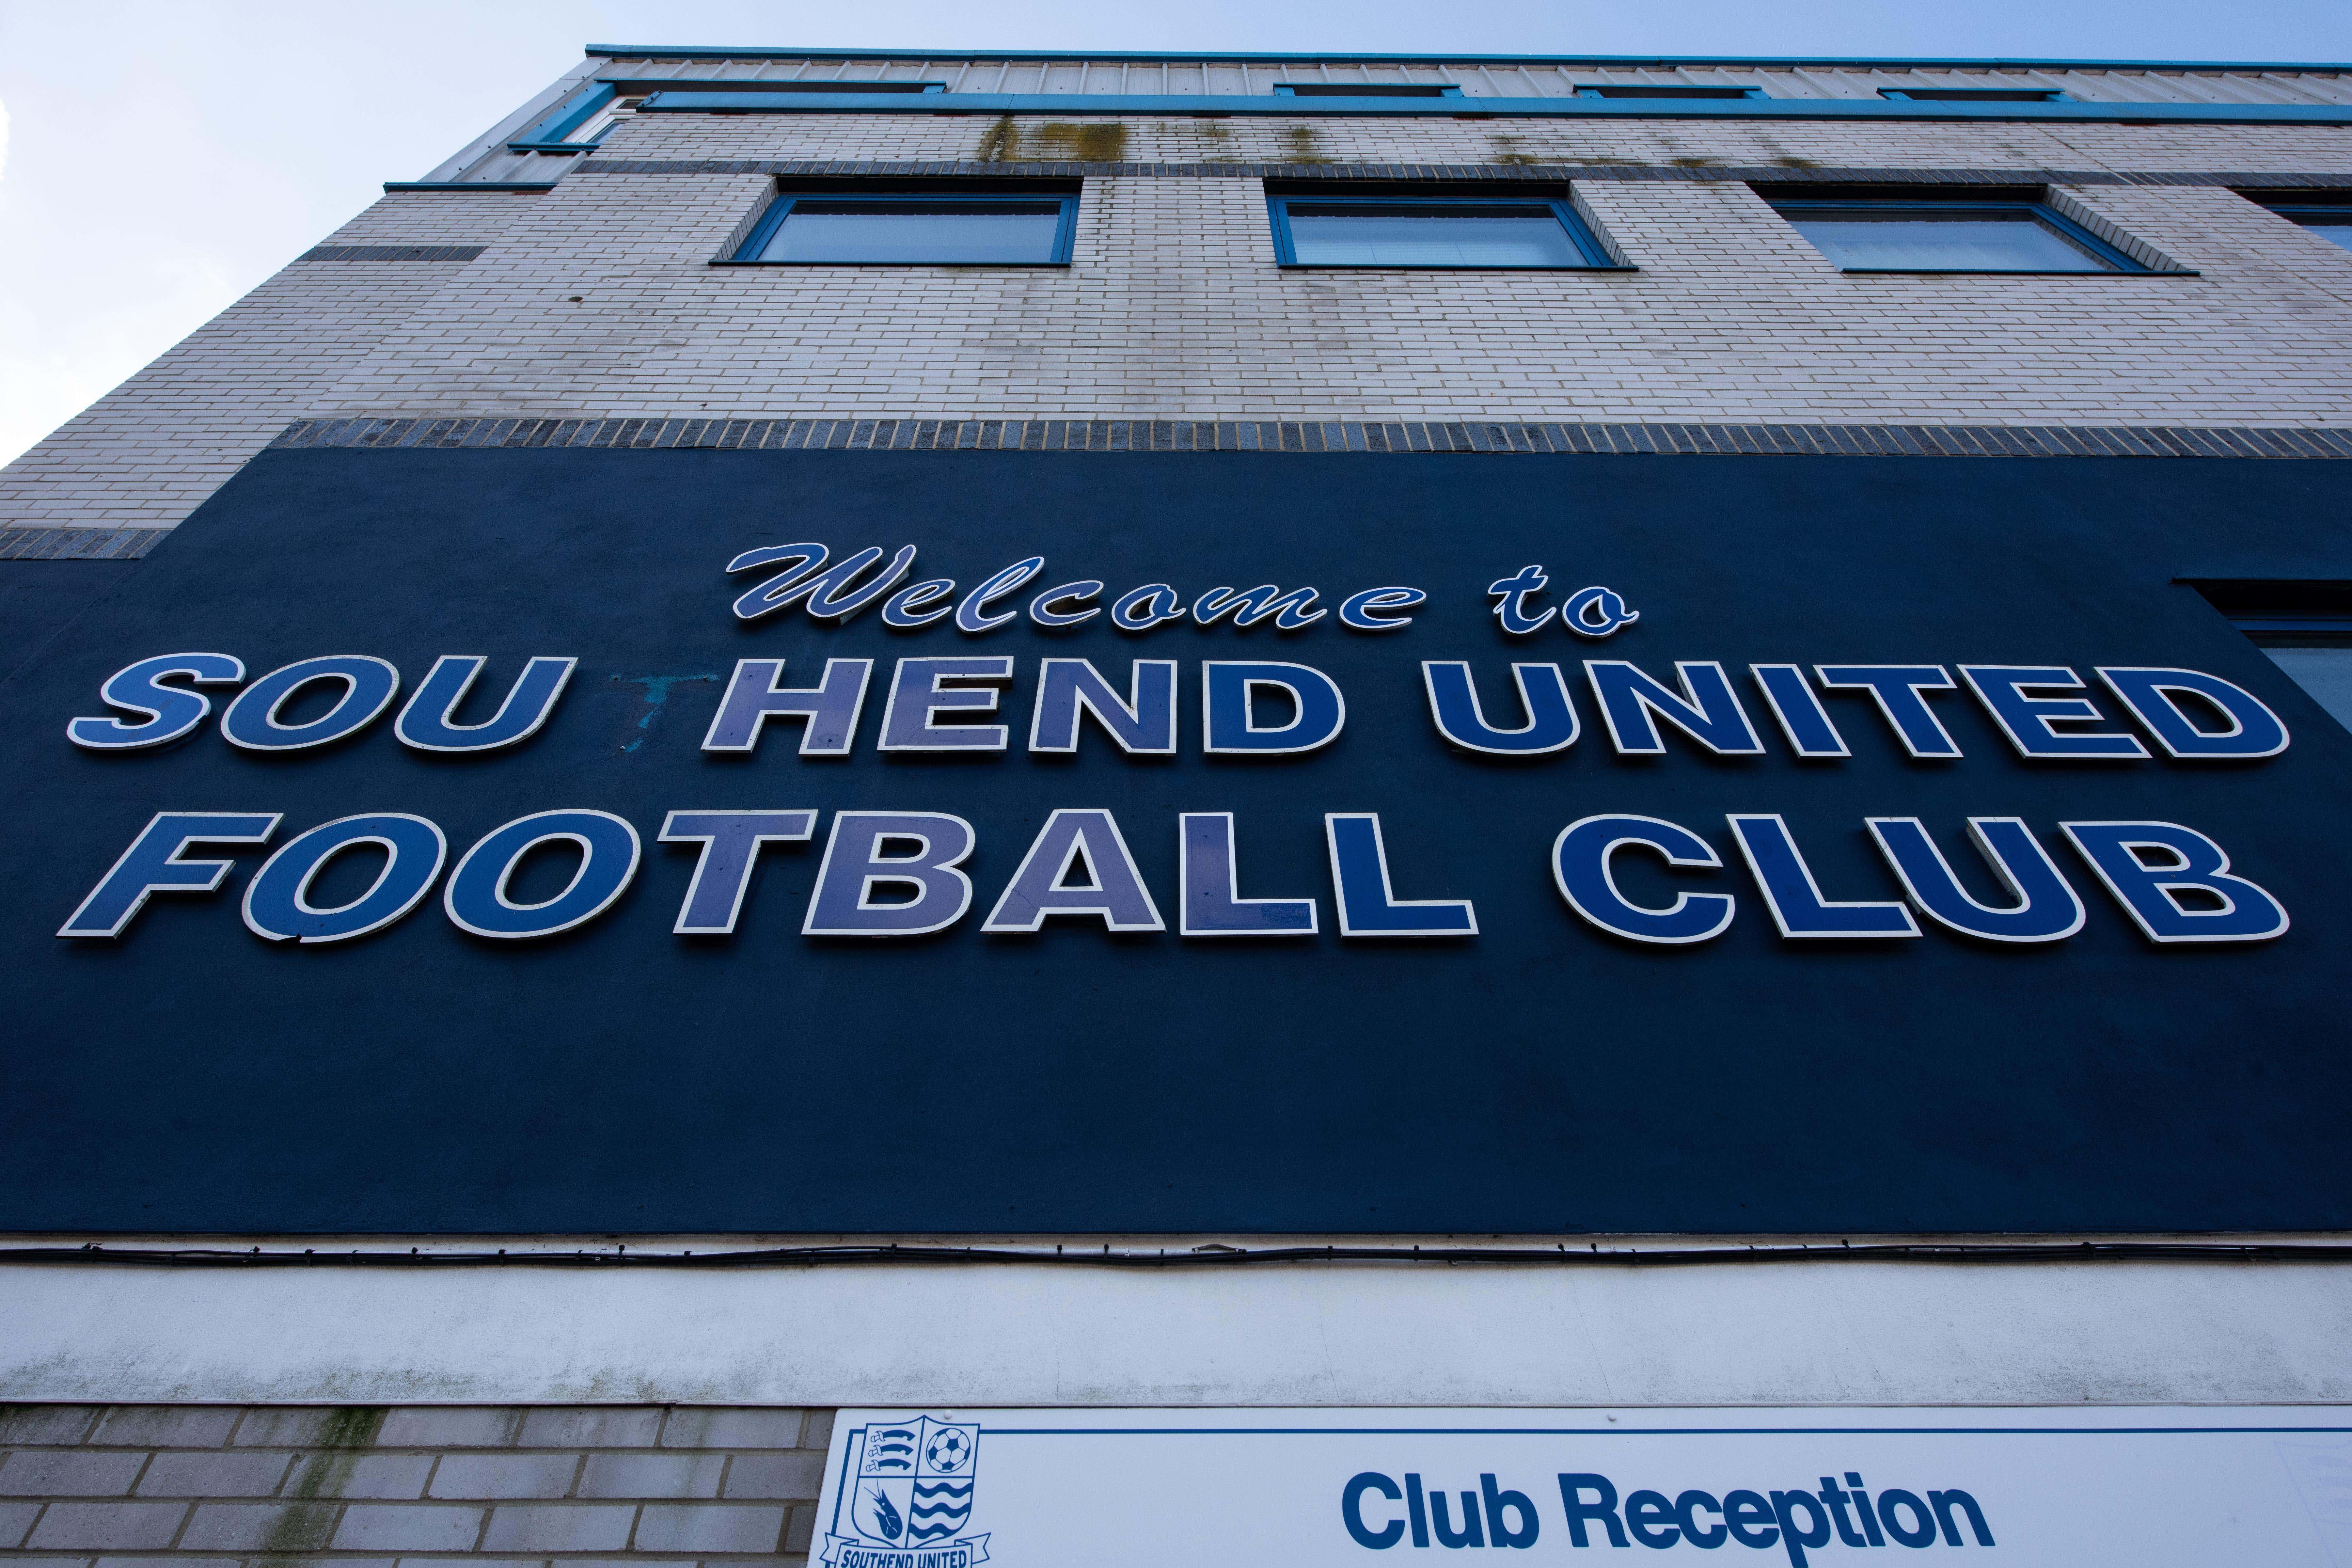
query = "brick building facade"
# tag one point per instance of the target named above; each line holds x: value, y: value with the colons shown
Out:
x: 538, y: 293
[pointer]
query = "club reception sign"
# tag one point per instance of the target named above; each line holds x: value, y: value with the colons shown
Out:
x: 789, y: 841
x: 1780, y: 1487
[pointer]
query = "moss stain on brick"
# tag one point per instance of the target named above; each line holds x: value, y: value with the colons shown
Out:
x: 318, y: 1480
x: 1304, y: 146
x: 1001, y: 142
x: 1056, y: 140
x: 1095, y: 143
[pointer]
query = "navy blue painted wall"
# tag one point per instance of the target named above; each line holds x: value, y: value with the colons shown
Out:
x: 1540, y: 1078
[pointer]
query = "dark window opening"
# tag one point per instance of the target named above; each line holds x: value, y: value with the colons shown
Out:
x: 913, y: 227
x: 2304, y: 628
x: 1647, y: 90
x: 1366, y: 90
x: 1974, y: 94
x: 1991, y: 230
x: 1533, y: 230
x: 2327, y: 212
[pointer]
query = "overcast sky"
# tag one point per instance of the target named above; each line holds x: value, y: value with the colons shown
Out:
x: 158, y: 158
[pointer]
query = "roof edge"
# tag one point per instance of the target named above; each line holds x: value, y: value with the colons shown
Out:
x: 682, y: 51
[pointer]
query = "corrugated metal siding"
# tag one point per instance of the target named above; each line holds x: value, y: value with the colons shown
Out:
x: 1499, y: 80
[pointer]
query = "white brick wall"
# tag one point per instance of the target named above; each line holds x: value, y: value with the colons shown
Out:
x: 1172, y: 306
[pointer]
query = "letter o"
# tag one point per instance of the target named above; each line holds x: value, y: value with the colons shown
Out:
x: 369, y: 686
x: 1923, y: 1535
x: 276, y: 901
x: 476, y: 898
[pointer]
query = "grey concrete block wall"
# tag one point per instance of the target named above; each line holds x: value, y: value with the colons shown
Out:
x: 217, y: 1485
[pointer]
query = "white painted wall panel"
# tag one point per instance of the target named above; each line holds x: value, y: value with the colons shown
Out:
x: 1895, y: 1334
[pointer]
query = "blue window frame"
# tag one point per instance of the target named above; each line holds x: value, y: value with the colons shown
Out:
x: 2330, y: 220
x: 912, y: 228
x: 1648, y: 90
x: 1435, y: 232
x: 578, y: 123
x: 1365, y: 90
x: 1974, y: 95
x: 584, y: 118
x: 1895, y: 235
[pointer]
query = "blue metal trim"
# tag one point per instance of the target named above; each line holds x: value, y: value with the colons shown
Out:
x: 1588, y: 245
x: 469, y: 184
x: 570, y: 114
x: 676, y: 51
x: 747, y: 253
x: 552, y: 146
x: 2118, y: 262
x: 1514, y: 107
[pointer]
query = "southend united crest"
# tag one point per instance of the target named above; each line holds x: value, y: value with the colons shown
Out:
x: 905, y: 1496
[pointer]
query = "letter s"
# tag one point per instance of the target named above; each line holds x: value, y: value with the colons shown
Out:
x: 166, y: 712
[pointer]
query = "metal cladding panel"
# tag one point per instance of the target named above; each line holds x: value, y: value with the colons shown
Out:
x: 1539, y: 1076
x: 1501, y: 79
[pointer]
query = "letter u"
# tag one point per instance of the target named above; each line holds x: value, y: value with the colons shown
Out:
x: 1472, y: 1534
x: 1453, y: 704
x: 427, y: 723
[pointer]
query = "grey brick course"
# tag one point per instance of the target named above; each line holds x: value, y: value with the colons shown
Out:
x: 210, y: 1475
x: 368, y: 1486
x: 24, y: 1425
x: 650, y: 1475
x: 165, y: 1426
x: 109, y: 1526
x: 504, y: 1475
x: 372, y: 1475
x: 16, y: 1521
x: 455, y: 1427
x: 737, y: 1428
x: 591, y: 1428
x: 581, y: 1527
x: 789, y: 1475
x: 335, y: 1426
x: 709, y: 1527
x: 393, y: 1527
x: 68, y: 1473
x: 260, y: 1527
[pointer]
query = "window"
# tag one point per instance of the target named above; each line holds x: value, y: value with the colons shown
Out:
x: 825, y: 86
x: 1534, y: 231
x: 592, y: 128
x: 1366, y: 90
x: 1974, y: 94
x: 1936, y: 232
x: 1646, y: 89
x: 2328, y: 214
x: 2305, y: 627
x: 914, y: 228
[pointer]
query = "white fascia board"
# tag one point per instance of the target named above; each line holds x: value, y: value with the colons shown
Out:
x: 1784, y: 1333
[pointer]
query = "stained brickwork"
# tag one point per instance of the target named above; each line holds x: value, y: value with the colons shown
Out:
x: 215, y: 1485
x: 595, y: 302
